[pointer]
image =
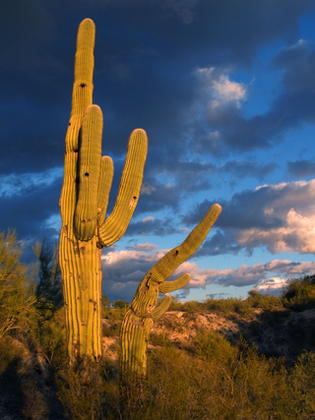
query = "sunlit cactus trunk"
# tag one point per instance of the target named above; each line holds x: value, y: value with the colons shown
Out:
x: 83, y: 204
x: 82, y: 288
x: 134, y: 334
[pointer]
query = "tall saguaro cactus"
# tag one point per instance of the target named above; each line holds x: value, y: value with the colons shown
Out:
x: 83, y: 203
x: 145, y: 309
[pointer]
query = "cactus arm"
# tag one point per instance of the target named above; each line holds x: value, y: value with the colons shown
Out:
x: 105, y: 183
x: 174, y: 258
x: 90, y: 151
x: 144, y: 309
x: 161, y: 308
x: 170, y: 286
x: 129, y: 190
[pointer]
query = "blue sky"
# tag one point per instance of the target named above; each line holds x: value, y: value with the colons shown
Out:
x: 226, y: 94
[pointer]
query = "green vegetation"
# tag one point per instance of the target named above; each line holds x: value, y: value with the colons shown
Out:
x: 17, y: 295
x: 49, y: 297
x: 32, y: 340
x: 300, y: 293
x: 231, y: 306
x: 207, y: 376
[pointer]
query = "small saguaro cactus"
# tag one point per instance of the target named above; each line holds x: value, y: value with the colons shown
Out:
x: 83, y: 204
x: 145, y: 308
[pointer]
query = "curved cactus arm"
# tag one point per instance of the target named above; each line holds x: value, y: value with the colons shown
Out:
x: 104, y: 186
x: 170, y: 286
x: 116, y: 224
x: 90, y: 151
x: 161, y: 308
x: 145, y: 309
x: 174, y: 258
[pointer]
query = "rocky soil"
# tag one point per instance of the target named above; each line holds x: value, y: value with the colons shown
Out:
x: 279, y: 333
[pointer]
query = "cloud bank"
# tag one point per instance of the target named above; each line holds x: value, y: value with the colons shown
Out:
x: 123, y: 271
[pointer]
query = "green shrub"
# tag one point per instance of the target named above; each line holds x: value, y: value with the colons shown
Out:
x: 51, y: 339
x: 300, y: 293
x: 121, y: 304
x: 303, y: 386
x: 111, y: 331
x: 158, y: 339
x: 228, y: 384
x: 82, y: 393
x: 258, y: 300
x: 175, y: 305
x: 114, y: 315
x: 17, y: 286
x: 105, y: 302
x: 49, y: 296
x: 211, y: 345
x: 20, y: 387
x: 192, y: 306
x: 229, y: 306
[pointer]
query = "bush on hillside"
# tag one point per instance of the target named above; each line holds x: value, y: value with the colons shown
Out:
x: 17, y: 286
x: 49, y: 296
x: 300, y: 292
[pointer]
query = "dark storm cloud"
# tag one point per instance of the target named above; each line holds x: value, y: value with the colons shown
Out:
x: 186, y: 178
x: 29, y: 210
x: 25, y: 27
x: 152, y: 226
x: 301, y: 168
x: 222, y: 242
x: 244, y: 210
x: 145, y: 56
x: 243, y: 169
x: 228, y: 30
x: 179, y: 179
x: 30, y: 138
x: 145, y: 53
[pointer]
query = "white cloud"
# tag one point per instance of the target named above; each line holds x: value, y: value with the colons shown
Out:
x: 257, y: 274
x: 274, y: 285
x: 123, y: 271
x: 219, y: 88
x: 147, y: 219
x: 226, y: 91
x: 53, y: 222
x: 147, y: 189
x: 293, y: 204
x: 140, y: 257
x: 16, y: 184
x: 142, y: 247
x: 117, y: 258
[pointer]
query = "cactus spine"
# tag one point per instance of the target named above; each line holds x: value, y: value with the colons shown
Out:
x: 83, y: 204
x: 145, y: 309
